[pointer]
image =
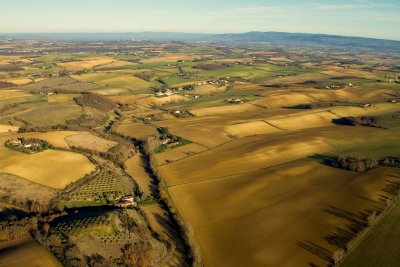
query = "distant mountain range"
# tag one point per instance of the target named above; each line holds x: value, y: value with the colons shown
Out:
x: 252, y: 39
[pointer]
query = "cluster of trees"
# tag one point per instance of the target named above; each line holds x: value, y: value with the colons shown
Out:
x: 117, y: 154
x: 87, y: 121
x: 147, y: 76
x: 10, y: 67
x: 167, y: 140
x: 322, y: 105
x: 211, y: 66
x: 6, y: 84
x: 390, y: 162
x: 95, y: 101
x: 189, y: 87
x: 370, y: 121
x: 15, y: 229
x: 139, y: 253
x: 354, y: 164
x: 361, y: 164
x: 27, y: 203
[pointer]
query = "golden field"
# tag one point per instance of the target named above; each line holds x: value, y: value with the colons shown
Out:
x: 244, y: 155
x: 270, y: 217
x: 10, y: 94
x: 251, y: 128
x: 87, y: 63
x: 89, y: 141
x: 26, y: 252
x: 136, y: 169
x: 56, y: 138
x: 178, y: 153
x: 65, y: 168
x: 136, y: 129
x: 8, y: 128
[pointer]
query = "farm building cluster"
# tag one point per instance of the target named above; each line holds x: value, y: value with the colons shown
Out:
x: 29, y: 145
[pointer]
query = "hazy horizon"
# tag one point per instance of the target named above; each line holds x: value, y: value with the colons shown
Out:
x: 358, y: 18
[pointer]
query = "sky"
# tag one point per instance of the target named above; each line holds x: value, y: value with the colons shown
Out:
x: 367, y: 18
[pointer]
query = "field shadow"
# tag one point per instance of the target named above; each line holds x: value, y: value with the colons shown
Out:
x: 355, y: 223
x: 12, y: 214
x: 317, y: 250
x: 172, y: 232
x: 341, y: 236
x: 323, y: 159
x: 153, y: 186
x: 392, y: 187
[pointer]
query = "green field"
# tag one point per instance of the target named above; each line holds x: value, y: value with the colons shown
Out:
x: 379, y: 246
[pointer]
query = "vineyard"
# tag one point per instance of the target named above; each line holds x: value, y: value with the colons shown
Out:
x: 106, y: 186
x: 73, y: 227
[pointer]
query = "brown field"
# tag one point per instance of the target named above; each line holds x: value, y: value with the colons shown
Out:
x: 136, y: 169
x: 89, y: 141
x: 113, y: 80
x: 198, y: 130
x: 298, y: 122
x: 283, y: 98
x: 10, y: 94
x: 110, y: 91
x: 127, y: 99
x: 349, y: 94
x: 56, y: 138
x: 208, y: 89
x: 20, y: 188
x: 342, y: 72
x: 136, y: 129
x: 376, y: 109
x: 246, y: 107
x: 87, y: 63
x: 65, y: 167
x: 269, y: 217
x: 61, y: 98
x: 49, y: 115
x: 18, y: 80
x: 178, y: 153
x: 116, y: 64
x: 251, y: 128
x: 284, y: 59
x: 159, y: 101
x: 153, y: 214
x: 330, y: 95
x: 171, y: 58
x: 299, y: 78
x: 244, y: 155
x: 8, y: 128
x: 26, y: 252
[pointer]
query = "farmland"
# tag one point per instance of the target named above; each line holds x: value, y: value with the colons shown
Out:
x: 15, y: 163
x: 190, y: 154
x: 261, y: 196
x: 25, y: 252
x: 381, y: 236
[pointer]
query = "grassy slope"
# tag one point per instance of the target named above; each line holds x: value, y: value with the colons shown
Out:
x: 380, y: 246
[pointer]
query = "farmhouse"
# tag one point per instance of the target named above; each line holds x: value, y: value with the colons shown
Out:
x: 126, y: 201
x: 166, y: 93
x: 30, y: 145
x: 235, y: 101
